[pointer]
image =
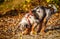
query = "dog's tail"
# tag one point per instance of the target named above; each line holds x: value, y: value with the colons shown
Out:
x: 54, y: 7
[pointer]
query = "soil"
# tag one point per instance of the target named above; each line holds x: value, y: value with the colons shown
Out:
x: 8, y: 28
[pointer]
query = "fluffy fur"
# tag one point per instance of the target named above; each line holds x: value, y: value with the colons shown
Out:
x: 44, y: 13
x: 30, y: 23
x: 26, y: 23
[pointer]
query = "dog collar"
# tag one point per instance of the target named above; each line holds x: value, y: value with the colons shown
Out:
x: 30, y: 13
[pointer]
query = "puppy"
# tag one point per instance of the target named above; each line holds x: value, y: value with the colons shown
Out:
x: 26, y: 23
x: 30, y: 23
x: 44, y: 13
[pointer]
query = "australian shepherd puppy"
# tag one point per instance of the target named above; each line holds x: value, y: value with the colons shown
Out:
x: 30, y: 23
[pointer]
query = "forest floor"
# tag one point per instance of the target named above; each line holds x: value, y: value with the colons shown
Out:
x: 8, y: 24
x: 8, y: 27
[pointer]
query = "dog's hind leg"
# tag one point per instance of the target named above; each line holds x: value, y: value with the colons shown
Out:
x: 35, y: 28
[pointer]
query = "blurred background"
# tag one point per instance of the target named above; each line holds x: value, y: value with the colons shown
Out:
x: 24, y: 5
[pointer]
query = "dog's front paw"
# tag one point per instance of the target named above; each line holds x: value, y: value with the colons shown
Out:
x: 26, y: 31
x: 33, y: 33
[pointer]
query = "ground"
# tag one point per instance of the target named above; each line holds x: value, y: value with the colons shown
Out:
x: 9, y: 23
x: 8, y: 27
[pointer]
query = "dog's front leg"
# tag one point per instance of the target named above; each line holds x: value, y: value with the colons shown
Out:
x: 32, y: 29
x: 35, y: 28
x: 25, y: 32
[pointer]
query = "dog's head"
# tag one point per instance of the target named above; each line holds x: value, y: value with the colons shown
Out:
x: 38, y: 12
